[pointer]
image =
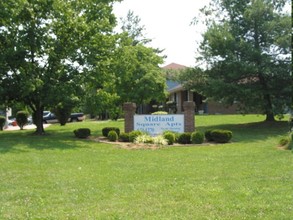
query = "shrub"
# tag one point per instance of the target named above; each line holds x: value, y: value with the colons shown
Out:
x: 106, y: 130
x: 21, y: 118
x: 160, y: 140
x: 133, y: 135
x: 284, y: 141
x: 2, y: 122
x: 208, y: 135
x: 82, y: 132
x: 176, y: 134
x: 143, y: 138
x: 197, y: 137
x: 124, y: 137
x: 62, y: 113
x: 160, y: 113
x: 221, y: 136
x: 184, y: 138
x: 112, y: 136
x: 170, y: 137
x: 287, y: 142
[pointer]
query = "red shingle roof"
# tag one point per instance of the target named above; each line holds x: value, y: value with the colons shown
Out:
x: 174, y: 66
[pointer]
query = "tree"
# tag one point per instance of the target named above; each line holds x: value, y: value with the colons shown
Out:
x: 138, y: 76
x: 48, y: 49
x: 133, y: 73
x: 247, y: 48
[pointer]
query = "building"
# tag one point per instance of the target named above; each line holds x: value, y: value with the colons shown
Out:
x: 178, y: 95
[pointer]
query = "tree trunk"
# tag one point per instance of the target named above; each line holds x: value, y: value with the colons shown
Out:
x: 38, y: 121
x: 269, y: 108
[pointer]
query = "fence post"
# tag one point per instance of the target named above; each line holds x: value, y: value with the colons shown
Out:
x: 129, y: 111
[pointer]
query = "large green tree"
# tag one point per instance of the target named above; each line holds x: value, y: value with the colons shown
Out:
x: 138, y: 76
x: 133, y: 74
x: 48, y: 48
x: 247, y: 48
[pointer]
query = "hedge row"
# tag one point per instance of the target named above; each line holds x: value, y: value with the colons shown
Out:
x: 197, y: 137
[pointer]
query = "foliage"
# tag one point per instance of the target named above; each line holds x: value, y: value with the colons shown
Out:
x: 287, y: 142
x: 63, y: 110
x: 160, y: 140
x: 138, y: 77
x: 48, y: 49
x: 82, y: 132
x: 112, y: 136
x: 147, y: 139
x: 221, y: 136
x: 144, y: 138
x: 160, y: 113
x: 197, y: 137
x: 172, y: 106
x: 170, y: 137
x: 284, y: 141
x: 208, y: 135
x: 247, y: 51
x: 106, y: 131
x: 184, y: 138
x: 103, y: 101
x: 124, y: 137
x: 134, y: 134
x: 2, y: 122
x: 22, y: 119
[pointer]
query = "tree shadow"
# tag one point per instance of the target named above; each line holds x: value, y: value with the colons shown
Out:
x: 21, y: 141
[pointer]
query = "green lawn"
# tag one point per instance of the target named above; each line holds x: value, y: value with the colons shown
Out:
x: 60, y: 177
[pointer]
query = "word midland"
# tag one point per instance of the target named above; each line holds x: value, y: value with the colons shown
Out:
x: 159, y: 118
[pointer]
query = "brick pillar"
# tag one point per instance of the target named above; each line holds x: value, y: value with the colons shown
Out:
x: 189, y: 108
x: 129, y: 111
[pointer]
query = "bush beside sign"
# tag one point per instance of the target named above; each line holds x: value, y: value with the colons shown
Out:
x: 157, y: 124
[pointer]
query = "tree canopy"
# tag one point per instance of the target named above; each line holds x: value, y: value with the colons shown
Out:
x: 133, y: 75
x: 247, y: 48
x: 48, y: 48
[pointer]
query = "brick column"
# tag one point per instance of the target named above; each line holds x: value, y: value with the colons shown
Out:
x: 129, y: 111
x: 189, y: 108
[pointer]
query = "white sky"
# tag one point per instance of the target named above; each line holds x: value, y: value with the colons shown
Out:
x: 167, y: 23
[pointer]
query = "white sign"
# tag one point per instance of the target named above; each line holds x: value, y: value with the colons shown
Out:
x: 157, y: 124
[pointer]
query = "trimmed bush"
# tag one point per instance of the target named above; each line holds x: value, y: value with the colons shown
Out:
x: 21, y: 118
x: 2, y: 122
x: 133, y: 135
x: 82, y: 132
x: 112, y: 136
x: 221, y: 136
x: 197, y: 137
x: 184, y: 138
x: 170, y: 137
x: 124, y: 137
x: 208, y: 135
x: 106, y: 130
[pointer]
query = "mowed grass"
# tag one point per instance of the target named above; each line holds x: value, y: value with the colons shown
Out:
x: 60, y: 177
